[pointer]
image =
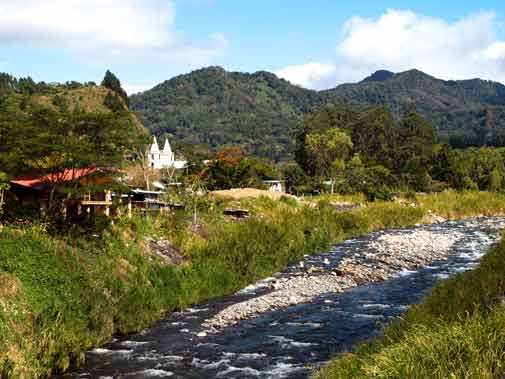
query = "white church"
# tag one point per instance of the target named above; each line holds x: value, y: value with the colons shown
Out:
x: 165, y: 158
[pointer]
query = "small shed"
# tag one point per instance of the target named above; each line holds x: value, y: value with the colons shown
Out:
x: 275, y: 185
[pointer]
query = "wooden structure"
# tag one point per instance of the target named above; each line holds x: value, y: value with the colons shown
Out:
x: 67, y: 189
x: 149, y: 201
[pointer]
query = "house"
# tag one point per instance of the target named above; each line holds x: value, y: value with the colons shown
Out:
x: 149, y: 200
x: 165, y: 158
x: 275, y: 185
x: 74, y: 191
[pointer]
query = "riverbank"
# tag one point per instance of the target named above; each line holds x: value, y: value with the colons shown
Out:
x: 287, y: 342
x: 456, y: 332
x: 63, y: 294
x: 383, y: 259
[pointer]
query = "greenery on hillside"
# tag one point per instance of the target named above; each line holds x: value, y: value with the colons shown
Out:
x: 464, y: 113
x: 21, y: 97
x: 456, y: 332
x: 258, y: 112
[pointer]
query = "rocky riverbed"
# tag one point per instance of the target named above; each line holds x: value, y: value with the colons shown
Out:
x: 384, y: 257
x: 384, y: 273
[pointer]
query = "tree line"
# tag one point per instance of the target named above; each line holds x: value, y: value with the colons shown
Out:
x: 369, y: 151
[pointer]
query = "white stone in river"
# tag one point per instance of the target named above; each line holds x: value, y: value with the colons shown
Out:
x: 202, y: 334
x: 326, y: 261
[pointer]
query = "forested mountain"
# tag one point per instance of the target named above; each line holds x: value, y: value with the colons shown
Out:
x: 212, y: 106
x: 464, y: 113
x: 259, y: 111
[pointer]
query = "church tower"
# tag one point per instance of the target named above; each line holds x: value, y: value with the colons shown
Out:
x: 159, y: 159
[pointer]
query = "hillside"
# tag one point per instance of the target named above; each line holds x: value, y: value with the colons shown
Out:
x: 464, y: 113
x: 212, y: 106
x: 260, y: 111
x: 22, y: 95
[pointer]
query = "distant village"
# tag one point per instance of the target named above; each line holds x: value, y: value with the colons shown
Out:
x: 99, y: 190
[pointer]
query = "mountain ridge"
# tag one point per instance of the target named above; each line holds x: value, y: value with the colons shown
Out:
x: 259, y: 111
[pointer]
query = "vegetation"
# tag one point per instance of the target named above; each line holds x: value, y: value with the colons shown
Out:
x: 456, y: 332
x: 231, y: 169
x: 259, y: 112
x: 64, y: 290
x: 49, y: 138
x: 256, y: 112
x: 383, y: 156
x: 67, y: 287
x: 111, y: 82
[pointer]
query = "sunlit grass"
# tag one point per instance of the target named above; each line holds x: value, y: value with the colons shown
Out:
x: 76, y: 292
x: 458, y: 331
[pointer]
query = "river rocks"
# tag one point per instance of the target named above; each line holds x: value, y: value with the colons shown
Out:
x: 433, y: 218
x: 169, y: 253
x: 384, y: 257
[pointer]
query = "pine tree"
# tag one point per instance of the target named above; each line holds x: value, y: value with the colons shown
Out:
x: 111, y: 82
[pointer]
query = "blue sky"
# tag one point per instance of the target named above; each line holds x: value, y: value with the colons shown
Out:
x: 316, y: 44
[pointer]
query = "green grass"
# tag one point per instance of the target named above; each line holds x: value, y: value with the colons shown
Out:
x: 458, y: 331
x: 61, y: 295
x: 453, y: 204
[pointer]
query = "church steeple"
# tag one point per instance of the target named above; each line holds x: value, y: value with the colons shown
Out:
x: 167, y: 149
x: 154, y: 147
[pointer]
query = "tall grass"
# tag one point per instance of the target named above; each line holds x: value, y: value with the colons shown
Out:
x: 458, y: 331
x: 70, y: 293
x: 453, y: 204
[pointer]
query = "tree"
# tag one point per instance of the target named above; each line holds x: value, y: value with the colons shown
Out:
x: 495, y: 180
x: 4, y: 186
x: 321, y: 120
x: 231, y: 168
x: 113, y: 102
x: 55, y: 145
x: 111, y: 82
x: 141, y: 160
x: 374, y: 135
x: 297, y: 181
x: 328, y: 152
x: 416, y: 142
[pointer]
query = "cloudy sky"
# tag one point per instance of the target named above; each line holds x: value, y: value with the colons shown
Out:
x: 314, y: 43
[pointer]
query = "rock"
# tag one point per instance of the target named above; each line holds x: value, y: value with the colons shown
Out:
x: 202, y: 334
x: 385, y: 256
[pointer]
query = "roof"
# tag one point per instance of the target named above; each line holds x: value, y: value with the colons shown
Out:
x: 167, y: 149
x: 140, y: 191
x: 154, y: 146
x: 67, y: 175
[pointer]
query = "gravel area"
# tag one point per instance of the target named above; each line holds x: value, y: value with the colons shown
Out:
x: 384, y: 257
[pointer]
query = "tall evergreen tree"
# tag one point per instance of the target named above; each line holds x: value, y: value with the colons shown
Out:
x: 112, y: 82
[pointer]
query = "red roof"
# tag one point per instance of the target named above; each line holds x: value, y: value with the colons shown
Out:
x: 65, y: 176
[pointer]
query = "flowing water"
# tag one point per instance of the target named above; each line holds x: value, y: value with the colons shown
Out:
x: 285, y: 343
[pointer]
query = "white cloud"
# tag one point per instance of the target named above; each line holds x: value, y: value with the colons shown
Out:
x: 133, y: 88
x: 308, y: 75
x: 400, y: 40
x: 103, y: 27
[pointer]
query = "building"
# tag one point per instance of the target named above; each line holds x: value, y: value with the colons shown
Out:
x: 165, y: 158
x: 73, y: 191
x: 275, y: 185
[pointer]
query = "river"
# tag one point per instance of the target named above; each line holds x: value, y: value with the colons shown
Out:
x: 291, y: 341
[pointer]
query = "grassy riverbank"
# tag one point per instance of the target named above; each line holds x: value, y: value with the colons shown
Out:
x: 61, y: 294
x: 458, y: 331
